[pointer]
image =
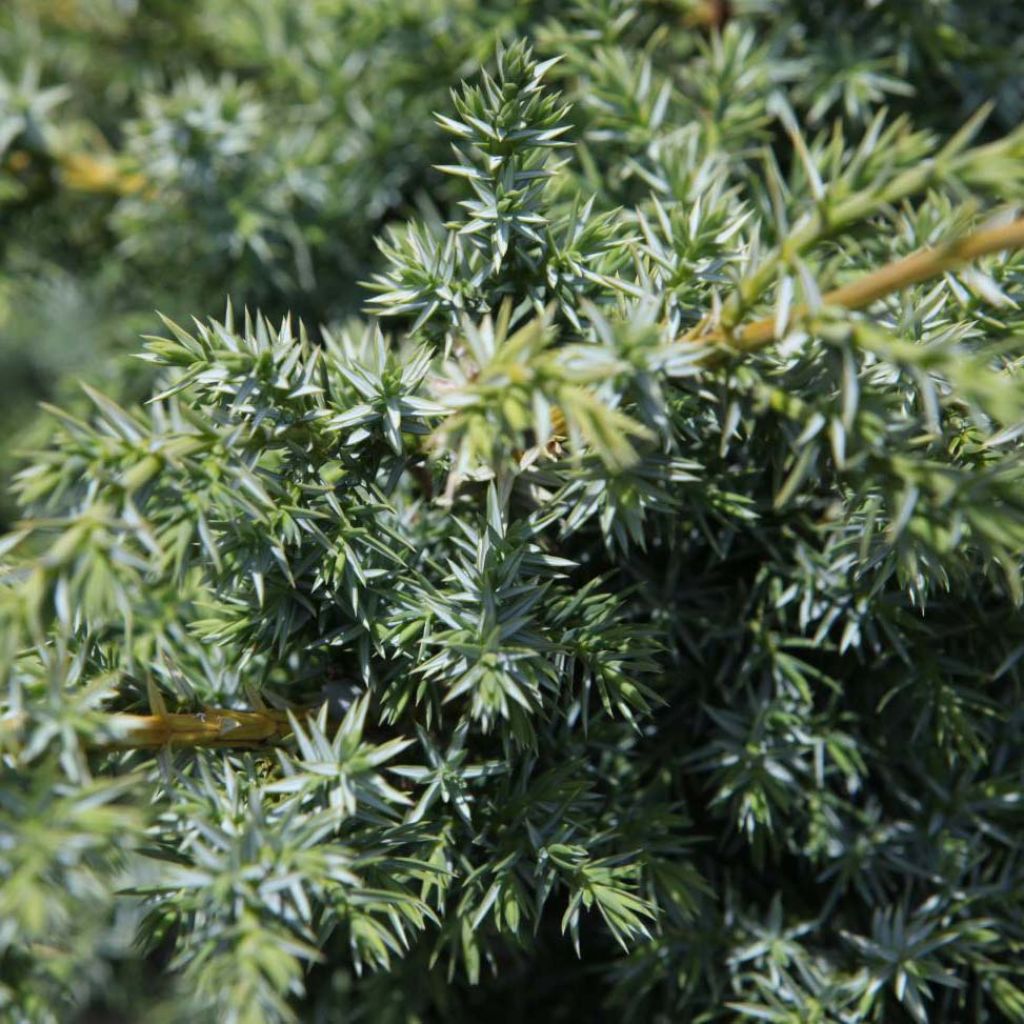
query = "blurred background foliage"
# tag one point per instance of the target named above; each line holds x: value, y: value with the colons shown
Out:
x: 165, y: 155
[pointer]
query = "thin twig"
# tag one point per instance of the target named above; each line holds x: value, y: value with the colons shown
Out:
x: 210, y: 728
x: 213, y: 727
x: 919, y: 266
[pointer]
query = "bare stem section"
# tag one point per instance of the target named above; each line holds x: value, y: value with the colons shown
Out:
x: 212, y: 727
x: 919, y: 266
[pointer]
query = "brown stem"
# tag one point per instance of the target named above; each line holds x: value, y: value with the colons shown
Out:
x: 213, y: 727
x: 919, y: 266
x: 210, y: 728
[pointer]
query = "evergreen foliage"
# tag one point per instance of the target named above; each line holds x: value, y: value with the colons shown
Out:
x: 620, y: 619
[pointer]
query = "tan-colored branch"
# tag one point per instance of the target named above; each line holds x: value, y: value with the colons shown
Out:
x: 210, y: 728
x: 919, y: 266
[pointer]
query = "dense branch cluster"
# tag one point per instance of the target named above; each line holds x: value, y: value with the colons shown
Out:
x: 619, y: 620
